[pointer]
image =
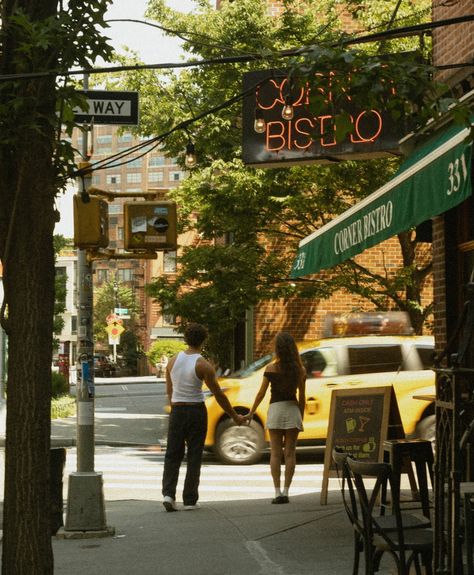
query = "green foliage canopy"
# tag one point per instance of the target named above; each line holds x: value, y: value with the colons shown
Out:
x: 262, y: 214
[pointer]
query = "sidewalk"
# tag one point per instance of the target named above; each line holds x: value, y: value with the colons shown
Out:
x: 221, y: 538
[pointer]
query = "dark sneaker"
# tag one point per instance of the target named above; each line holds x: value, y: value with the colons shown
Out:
x: 281, y: 499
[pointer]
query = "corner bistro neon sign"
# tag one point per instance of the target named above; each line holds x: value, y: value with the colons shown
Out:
x: 307, y: 138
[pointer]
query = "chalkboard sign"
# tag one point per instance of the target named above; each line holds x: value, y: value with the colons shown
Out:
x: 360, y: 421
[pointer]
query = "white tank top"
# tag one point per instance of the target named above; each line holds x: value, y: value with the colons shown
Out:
x: 187, y: 387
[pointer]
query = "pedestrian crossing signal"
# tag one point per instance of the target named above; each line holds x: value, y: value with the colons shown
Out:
x: 150, y: 226
x: 91, y: 222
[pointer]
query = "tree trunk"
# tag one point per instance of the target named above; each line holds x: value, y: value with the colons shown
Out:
x: 27, y: 191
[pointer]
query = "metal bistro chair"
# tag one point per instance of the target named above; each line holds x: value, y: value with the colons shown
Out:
x: 349, y: 498
x: 405, y: 545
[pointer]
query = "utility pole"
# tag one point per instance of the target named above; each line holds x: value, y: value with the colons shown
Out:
x: 3, y: 348
x: 85, y: 506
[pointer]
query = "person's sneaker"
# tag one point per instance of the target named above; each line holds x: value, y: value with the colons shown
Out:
x: 169, y: 503
x: 191, y: 507
x: 281, y: 499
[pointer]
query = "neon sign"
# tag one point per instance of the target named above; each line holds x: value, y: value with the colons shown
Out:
x: 306, y: 137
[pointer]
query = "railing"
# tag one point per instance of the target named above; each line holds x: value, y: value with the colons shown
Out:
x: 454, y: 460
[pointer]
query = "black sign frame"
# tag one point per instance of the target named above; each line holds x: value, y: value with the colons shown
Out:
x: 130, y: 119
x: 377, y: 134
x: 360, y: 420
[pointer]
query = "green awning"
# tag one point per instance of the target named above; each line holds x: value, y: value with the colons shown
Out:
x: 434, y: 179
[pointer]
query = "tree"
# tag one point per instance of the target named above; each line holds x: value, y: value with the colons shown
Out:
x: 36, y: 37
x: 242, y: 212
x: 108, y: 297
x: 60, y: 291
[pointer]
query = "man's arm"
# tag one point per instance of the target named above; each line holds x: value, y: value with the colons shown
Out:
x: 169, y: 383
x: 206, y: 372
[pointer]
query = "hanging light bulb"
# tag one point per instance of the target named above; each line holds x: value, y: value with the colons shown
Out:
x: 288, y: 112
x: 259, y: 124
x: 190, y: 160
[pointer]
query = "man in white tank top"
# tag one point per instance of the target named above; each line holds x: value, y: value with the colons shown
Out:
x: 185, y: 374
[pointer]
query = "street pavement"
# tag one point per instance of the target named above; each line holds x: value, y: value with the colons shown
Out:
x: 235, y: 532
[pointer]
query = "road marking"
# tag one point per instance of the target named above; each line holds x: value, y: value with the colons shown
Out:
x: 124, y: 387
x: 111, y: 409
x: 267, y: 566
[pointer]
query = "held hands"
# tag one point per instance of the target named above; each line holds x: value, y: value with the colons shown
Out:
x: 243, y: 419
x: 238, y: 419
x: 248, y: 418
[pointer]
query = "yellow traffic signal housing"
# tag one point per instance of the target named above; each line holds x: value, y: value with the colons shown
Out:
x: 150, y: 226
x: 91, y: 222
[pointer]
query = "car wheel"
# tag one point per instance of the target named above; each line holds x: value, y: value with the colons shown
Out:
x: 426, y: 429
x: 239, y: 445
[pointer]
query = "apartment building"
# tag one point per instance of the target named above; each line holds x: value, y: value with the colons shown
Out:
x: 143, y: 170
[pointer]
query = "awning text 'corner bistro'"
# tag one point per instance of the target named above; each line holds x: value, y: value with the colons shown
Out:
x: 434, y: 179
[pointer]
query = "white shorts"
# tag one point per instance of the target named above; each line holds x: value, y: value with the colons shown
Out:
x: 284, y: 415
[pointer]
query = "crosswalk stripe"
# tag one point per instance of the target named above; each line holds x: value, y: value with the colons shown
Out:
x: 130, y: 473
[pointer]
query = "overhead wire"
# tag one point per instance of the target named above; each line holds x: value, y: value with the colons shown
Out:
x: 347, y: 41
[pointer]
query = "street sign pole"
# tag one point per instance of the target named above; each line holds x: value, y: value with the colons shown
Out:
x: 85, y: 507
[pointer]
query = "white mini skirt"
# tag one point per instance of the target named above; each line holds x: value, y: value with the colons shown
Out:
x: 284, y: 415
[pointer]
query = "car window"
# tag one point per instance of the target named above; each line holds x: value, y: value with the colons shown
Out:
x: 374, y: 359
x: 426, y: 354
x: 320, y: 362
x: 254, y: 366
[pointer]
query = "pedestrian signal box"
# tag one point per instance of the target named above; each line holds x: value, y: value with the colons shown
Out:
x: 91, y: 222
x: 150, y: 226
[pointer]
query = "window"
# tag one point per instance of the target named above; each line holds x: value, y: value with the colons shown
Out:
x: 74, y: 324
x: 113, y: 179
x: 156, y: 161
x: 115, y: 209
x: 169, y: 262
x: 125, y: 275
x: 155, y: 177
x: 125, y: 137
x: 135, y: 163
x: 375, y: 359
x: 134, y: 178
x: 106, y: 139
x: 113, y: 221
x: 120, y: 233
x: 426, y: 354
x: 168, y: 318
x: 175, y: 176
x: 320, y: 362
x: 95, y: 179
x: 102, y: 275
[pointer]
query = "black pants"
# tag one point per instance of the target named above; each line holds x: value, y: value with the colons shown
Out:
x: 187, y: 426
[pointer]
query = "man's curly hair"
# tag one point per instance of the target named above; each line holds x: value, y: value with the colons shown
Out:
x: 195, y: 334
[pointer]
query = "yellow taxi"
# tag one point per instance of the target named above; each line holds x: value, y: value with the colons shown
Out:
x: 331, y: 363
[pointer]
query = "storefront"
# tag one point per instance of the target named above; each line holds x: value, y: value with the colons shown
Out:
x: 434, y: 183
x: 434, y: 179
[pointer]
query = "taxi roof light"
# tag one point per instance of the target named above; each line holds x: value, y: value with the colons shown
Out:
x: 367, y: 323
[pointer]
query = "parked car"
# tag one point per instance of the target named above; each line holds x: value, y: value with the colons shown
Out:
x: 332, y: 363
x: 103, y: 367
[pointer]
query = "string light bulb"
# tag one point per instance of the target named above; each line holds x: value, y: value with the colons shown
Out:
x: 259, y: 124
x: 190, y: 159
x: 288, y: 112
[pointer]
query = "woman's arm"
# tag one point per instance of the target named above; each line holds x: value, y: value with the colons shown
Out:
x: 302, y: 393
x: 260, y: 395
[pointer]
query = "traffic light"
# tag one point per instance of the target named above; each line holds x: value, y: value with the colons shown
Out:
x: 91, y: 222
x: 150, y: 226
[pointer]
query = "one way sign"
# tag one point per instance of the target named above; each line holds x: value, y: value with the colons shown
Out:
x: 104, y: 107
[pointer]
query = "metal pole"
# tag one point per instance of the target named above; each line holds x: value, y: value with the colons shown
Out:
x: 86, y: 508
